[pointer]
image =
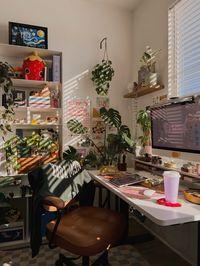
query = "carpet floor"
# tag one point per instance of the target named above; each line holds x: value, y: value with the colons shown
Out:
x: 125, y: 255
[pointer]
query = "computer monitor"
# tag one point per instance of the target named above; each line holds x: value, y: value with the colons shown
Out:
x: 176, y: 126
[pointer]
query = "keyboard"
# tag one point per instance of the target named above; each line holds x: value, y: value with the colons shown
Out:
x: 121, y: 181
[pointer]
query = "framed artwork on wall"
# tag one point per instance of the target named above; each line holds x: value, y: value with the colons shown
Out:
x: 28, y: 35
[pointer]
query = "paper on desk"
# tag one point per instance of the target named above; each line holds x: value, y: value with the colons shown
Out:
x: 136, y: 192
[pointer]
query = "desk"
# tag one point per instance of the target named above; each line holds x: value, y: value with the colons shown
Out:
x: 160, y: 215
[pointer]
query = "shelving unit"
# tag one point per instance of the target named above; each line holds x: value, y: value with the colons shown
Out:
x: 34, y: 83
x: 143, y: 90
x: 140, y: 163
x: 15, y: 55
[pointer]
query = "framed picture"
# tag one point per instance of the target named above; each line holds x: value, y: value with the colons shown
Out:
x: 19, y: 97
x: 28, y: 35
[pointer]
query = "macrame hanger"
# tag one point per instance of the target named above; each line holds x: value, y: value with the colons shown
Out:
x: 105, y: 54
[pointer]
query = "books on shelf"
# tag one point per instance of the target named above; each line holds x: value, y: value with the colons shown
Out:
x: 39, y: 102
x: 56, y: 68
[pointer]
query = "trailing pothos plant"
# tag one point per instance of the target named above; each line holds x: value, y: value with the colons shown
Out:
x: 114, y: 143
x: 144, y: 120
x: 102, y: 75
x: 7, y: 88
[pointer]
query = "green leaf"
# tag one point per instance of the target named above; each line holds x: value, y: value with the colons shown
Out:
x: 128, y: 140
x: 125, y: 129
x: 71, y: 154
x: 76, y: 127
x: 111, y: 117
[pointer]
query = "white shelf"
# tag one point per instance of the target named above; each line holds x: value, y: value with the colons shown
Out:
x: 8, y: 50
x: 31, y: 109
x: 18, y: 223
x: 40, y: 110
x: 35, y: 126
x: 166, y: 168
x: 34, y: 83
x: 44, y: 110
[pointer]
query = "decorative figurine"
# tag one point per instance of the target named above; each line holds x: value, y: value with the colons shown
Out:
x: 33, y: 67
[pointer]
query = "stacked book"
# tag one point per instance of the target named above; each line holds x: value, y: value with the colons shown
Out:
x: 39, y: 101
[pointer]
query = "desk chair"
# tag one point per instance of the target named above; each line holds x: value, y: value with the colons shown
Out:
x: 83, y: 231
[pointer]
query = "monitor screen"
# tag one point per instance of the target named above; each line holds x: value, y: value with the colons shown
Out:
x: 176, y: 127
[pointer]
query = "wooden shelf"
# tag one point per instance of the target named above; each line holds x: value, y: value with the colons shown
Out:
x: 143, y: 90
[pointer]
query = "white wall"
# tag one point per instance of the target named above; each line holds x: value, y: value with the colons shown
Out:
x: 76, y: 27
x: 150, y: 27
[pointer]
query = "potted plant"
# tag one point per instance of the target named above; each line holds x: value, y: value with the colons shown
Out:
x: 144, y: 120
x: 146, y: 74
x: 114, y: 143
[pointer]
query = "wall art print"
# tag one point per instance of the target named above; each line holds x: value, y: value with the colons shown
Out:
x: 28, y: 35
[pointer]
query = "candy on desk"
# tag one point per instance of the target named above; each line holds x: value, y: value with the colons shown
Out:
x: 149, y: 192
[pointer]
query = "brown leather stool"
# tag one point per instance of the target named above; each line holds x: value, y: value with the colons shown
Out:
x: 85, y: 231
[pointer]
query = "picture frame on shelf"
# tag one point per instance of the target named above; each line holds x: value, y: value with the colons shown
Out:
x: 19, y: 97
x: 28, y: 35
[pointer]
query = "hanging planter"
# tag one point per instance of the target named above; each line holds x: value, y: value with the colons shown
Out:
x: 103, y: 73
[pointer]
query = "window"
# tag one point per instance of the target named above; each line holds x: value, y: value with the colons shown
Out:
x: 184, y: 48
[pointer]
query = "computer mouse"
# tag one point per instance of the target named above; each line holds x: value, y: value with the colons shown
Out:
x: 149, y: 192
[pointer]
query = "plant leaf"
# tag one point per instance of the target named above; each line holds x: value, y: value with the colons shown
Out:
x: 126, y: 130
x: 76, y: 127
x: 111, y: 117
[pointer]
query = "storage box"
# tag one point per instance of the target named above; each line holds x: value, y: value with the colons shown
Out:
x: 12, y: 232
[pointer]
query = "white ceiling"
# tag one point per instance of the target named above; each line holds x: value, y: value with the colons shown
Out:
x: 126, y: 4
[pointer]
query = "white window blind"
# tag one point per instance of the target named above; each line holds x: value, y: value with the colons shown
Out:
x: 184, y: 48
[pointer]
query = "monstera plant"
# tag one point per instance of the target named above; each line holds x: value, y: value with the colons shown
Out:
x: 114, y: 143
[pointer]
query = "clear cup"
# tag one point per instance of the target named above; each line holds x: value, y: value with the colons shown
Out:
x: 171, y: 185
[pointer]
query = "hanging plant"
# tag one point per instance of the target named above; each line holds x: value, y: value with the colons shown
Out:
x: 6, y: 86
x: 102, y: 76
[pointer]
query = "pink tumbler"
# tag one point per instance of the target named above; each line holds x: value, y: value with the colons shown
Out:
x: 171, y: 185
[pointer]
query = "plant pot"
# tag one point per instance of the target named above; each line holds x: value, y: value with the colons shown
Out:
x: 151, y: 79
x: 108, y: 170
x: 148, y: 149
x: 147, y: 76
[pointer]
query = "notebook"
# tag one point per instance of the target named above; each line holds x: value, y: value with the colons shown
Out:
x: 121, y: 181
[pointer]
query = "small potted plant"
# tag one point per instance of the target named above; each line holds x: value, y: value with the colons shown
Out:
x: 146, y: 74
x: 144, y: 120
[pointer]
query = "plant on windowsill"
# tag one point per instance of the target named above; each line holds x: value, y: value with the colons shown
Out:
x: 114, y: 143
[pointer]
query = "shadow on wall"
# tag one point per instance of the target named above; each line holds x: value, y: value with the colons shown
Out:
x: 4, y: 33
x: 71, y: 88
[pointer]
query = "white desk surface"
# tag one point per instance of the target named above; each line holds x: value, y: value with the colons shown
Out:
x: 161, y: 215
